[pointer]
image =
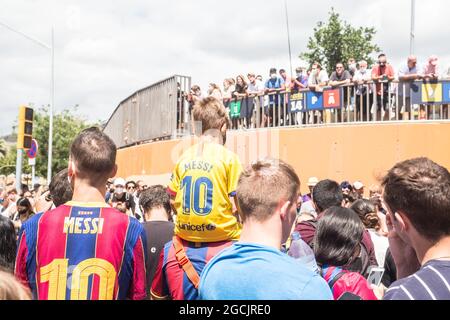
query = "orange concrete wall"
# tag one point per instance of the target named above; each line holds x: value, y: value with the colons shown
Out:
x: 351, y: 152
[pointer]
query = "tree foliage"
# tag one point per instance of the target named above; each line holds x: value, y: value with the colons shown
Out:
x: 3, y: 148
x: 66, y: 126
x: 337, y: 41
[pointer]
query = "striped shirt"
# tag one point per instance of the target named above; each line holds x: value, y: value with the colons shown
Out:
x: 431, y: 282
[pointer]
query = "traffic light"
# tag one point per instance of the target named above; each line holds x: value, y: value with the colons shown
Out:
x: 25, y: 132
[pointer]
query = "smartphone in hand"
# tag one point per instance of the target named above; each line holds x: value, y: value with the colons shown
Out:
x: 375, y: 276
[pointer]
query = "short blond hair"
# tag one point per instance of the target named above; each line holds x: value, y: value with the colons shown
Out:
x: 262, y: 185
x: 11, y: 288
x: 211, y: 113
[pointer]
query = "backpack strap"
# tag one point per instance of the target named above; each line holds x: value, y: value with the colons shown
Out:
x: 184, y: 261
x: 335, y: 279
x: 328, y: 272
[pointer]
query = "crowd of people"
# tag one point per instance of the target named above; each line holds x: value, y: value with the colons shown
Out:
x: 221, y: 231
x: 242, y: 95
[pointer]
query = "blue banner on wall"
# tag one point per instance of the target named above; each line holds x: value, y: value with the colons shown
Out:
x: 446, y: 92
x: 314, y: 101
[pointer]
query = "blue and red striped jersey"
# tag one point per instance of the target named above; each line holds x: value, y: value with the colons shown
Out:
x: 82, y: 251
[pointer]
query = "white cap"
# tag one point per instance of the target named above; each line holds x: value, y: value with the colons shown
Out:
x: 312, y: 182
x: 358, y: 185
x: 119, y: 182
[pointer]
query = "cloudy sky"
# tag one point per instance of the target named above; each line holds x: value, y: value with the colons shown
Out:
x: 107, y: 49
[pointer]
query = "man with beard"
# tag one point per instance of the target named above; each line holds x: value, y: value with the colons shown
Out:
x: 121, y: 198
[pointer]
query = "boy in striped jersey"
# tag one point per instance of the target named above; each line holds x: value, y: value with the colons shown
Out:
x: 417, y: 196
x: 83, y: 249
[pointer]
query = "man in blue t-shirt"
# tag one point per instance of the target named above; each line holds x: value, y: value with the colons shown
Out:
x: 273, y: 86
x: 254, y: 268
x: 417, y: 197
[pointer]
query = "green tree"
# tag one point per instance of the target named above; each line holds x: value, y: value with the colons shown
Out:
x: 337, y: 41
x: 8, y: 162
x: 3, y: 148
x: 66, y: 126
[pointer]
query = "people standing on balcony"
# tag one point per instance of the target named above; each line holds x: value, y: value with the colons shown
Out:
x: 239, y: 103
x: 195, y: 95
x: 338, y: 78
x: 214, y: 91
x: 274, y: 85
x: 352, y: 66
x: 255, y: 92
x: 431, y: 70
x: 382, y: 74
x: 407, y: 74
x: 285, y: 113
x: 318, y: 79
x: 228, y: 89
x: 364, y: 96
x: 298, y: 83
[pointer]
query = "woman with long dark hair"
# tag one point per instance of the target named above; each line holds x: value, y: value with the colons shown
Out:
x: 24, y: 212
x: 240, y: 93
x: 336, y: 245
x: 8, y: 245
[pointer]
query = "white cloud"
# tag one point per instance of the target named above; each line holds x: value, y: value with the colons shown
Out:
x: 106, y: 50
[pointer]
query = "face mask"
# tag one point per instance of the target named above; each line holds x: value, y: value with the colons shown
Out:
x: 299, y: 74
x: 119, y: 190
x: 363, y: 70
x: 353, y: 66
x: 273, y: 76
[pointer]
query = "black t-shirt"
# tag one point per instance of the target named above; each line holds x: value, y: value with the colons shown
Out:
x: 158, y: 234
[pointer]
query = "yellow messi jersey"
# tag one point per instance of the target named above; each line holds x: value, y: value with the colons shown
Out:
x: 202, y: 182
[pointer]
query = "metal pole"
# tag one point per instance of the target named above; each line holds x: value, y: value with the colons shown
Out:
x: 19, y: 170
x: 50, y: 130
x: 33, y: 175
x: 413, y: 19
x: 289, y: 37
x: 52, y: 49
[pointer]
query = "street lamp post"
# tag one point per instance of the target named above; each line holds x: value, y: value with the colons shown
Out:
x: 289, y: 36
x: 52, y: 94
x: 413, y: 21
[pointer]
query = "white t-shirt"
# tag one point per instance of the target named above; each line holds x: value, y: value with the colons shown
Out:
x: 320, y: 78
x: 258, y: 87
x: 380, y: 244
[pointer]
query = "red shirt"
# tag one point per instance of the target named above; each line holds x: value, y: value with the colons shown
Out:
x: 379, y: 71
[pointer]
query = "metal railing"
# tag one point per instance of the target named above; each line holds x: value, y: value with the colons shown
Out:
x: 163, y: 110
x: 153, y: 113
x: 353, y: 103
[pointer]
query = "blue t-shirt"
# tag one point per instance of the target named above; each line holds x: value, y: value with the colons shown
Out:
x: 247, y: 271
x: 431, y: 282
